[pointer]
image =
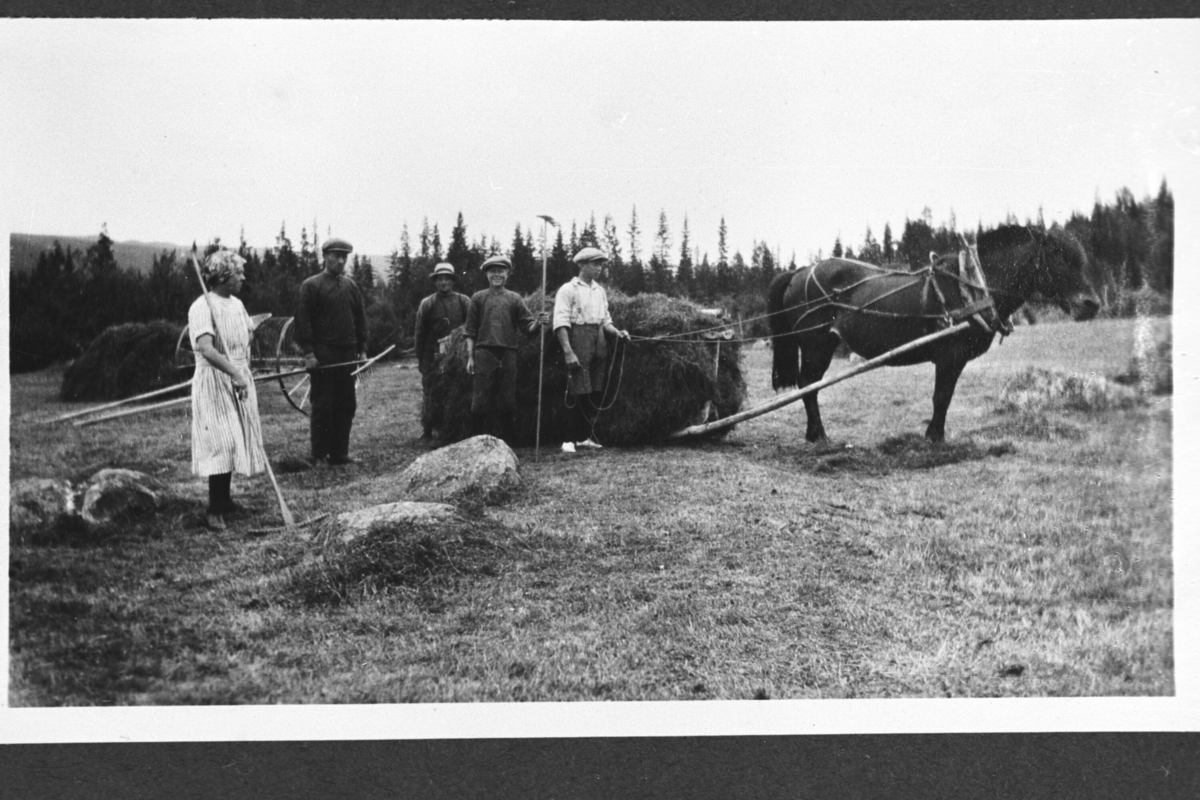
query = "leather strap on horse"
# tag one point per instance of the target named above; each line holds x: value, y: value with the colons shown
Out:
x: 973, y: 311
x: 972, y: 276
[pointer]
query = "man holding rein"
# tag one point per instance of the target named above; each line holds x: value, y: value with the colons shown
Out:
x: 581, y: 320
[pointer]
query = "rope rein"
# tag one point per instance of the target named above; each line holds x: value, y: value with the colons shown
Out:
x: 607, y: 383
x: 829, y: 300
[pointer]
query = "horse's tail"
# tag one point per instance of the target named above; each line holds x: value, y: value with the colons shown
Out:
x: 785, y: 365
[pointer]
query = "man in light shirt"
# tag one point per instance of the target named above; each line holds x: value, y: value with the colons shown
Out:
x: 581, y: 320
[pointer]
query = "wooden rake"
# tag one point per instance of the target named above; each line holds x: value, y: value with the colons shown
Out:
x: 289, y: 521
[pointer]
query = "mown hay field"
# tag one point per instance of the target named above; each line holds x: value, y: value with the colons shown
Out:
x: 1029, y: 555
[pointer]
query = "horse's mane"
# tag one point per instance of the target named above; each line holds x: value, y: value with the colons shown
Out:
x: 1015, y: 235
x: 1006, y: 236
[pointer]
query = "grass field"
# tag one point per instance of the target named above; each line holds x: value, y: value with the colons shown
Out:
x: 1029, y: 555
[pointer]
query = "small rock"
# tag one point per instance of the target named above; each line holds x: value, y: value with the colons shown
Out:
x: 34, y: 501
x: 350, y: 525
x: 482, y: 466
x: 113, y: 493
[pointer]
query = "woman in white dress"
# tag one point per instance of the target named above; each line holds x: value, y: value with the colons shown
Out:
x: 226, y: 433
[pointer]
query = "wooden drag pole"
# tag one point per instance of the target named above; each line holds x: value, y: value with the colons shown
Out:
x: 793, y: 396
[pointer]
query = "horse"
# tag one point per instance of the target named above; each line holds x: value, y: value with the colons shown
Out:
x: 873, y: 310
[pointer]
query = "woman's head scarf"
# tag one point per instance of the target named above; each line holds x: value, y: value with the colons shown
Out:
x: 220, y: 265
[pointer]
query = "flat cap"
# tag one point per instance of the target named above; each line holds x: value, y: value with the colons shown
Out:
x: 444, y: 268
x: 337, y: 246
x: 496, y: 262
x: 589, y: 254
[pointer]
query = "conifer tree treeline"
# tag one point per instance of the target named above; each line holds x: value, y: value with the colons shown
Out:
x: 57, y: 308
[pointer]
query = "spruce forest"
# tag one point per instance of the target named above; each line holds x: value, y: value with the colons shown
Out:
x: 70, y: 297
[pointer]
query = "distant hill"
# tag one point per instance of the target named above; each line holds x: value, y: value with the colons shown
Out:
x: 24, y: 249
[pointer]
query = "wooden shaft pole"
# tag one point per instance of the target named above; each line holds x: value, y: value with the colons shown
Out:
x: 180, y: 400
x: 537, y: 436
x: 793, y: 396
x: 177, y: 401
x: 123, y: 401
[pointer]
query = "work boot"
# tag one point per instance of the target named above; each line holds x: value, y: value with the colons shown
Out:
x: 214, y: 522
x: 231, y: 508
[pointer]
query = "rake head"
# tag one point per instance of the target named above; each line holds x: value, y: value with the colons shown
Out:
x: 282, y: 528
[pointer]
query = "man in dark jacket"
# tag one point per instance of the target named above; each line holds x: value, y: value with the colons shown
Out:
x: 331, y: 328
x: 438, y: 314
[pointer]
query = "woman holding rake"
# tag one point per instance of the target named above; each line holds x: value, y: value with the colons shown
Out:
x: 226, y: 432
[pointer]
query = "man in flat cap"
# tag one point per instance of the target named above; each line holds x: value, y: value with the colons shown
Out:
x: 494, y: 318
x: 581, y: 320
x: 331, y: 328
x: 438, y: 314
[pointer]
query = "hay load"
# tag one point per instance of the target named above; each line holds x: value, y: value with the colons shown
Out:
x: 654, y: 388
x: 123, y: 361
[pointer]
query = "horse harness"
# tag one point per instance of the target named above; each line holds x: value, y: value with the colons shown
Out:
x: 978, y: 305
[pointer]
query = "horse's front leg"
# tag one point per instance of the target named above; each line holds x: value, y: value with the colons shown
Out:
x: 943, y: 393
x: 815, y: 357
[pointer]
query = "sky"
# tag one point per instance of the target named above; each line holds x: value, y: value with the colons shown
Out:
x: 795, y: 133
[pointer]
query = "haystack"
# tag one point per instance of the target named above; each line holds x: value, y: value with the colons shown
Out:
x: 654, y: 388
x: 123, y: 361
x: 1038, y: 389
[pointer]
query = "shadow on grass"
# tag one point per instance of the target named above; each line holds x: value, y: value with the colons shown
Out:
x: 172, y: 516
x: 907, y: 452
x: 1032, y: 426
x: 287, y: 465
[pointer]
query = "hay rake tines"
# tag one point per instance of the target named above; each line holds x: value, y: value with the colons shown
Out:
x: 362, y: 373
x: 289, y: 528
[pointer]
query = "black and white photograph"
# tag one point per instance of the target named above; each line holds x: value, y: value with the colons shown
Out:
x: 434, y: 378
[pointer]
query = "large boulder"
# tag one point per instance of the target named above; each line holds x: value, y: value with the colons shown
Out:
x: 351, y: 525
x: 35, y: 501
x: 482, y: 467
x: 115, y: 493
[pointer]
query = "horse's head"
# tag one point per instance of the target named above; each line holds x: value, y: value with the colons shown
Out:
x: 1021, y: 262
x: 1059, y: 274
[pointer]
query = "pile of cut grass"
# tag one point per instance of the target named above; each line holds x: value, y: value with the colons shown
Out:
x: 1037, y: 389
x: 398, y: 555
x: 123, y: 361
x: 654, y: 387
